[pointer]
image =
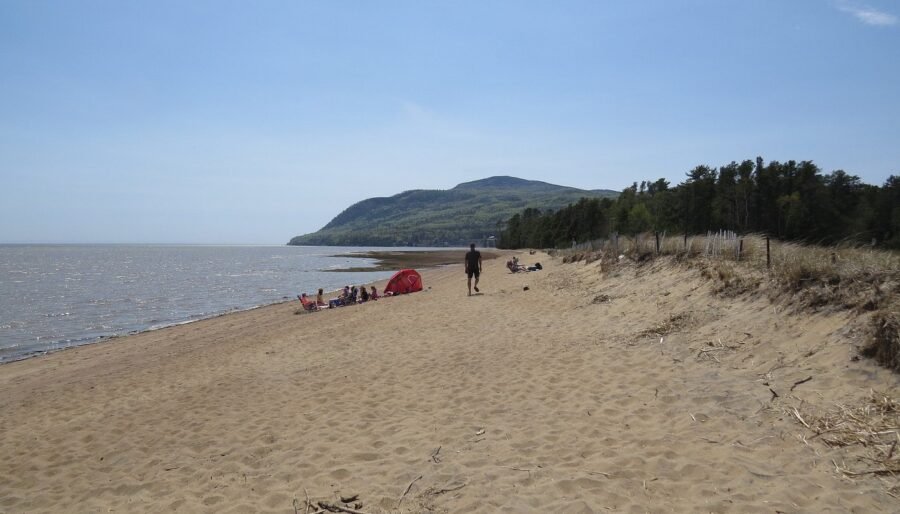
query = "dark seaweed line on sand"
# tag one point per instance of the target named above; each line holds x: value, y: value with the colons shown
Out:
x: 390, y: 261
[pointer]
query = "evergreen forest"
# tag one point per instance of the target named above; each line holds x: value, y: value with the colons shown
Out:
x: 787, y: 200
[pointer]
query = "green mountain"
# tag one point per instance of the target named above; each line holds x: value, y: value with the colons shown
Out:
x: 469, y: 212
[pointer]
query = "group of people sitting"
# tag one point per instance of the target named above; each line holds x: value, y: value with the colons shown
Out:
x: 514, y: 266
x: 350, y: 295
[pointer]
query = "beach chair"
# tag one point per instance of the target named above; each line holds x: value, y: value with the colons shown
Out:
x: 309, y: 305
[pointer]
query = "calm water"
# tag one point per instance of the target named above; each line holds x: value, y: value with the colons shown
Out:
x: 57, y: 296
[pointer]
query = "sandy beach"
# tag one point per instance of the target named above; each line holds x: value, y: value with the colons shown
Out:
x: 575, y: 389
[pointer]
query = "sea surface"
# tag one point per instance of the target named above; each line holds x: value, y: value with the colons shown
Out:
x: 59, y: 296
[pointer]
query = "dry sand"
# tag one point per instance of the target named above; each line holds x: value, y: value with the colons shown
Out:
x: 588, y: 392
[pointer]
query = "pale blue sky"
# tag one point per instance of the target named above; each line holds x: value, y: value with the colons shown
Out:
x: 252, y: 122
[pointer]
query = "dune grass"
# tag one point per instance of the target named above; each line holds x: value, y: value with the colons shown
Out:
x: 858, y: 278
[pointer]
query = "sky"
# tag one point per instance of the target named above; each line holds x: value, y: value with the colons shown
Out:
x: 220, y: 122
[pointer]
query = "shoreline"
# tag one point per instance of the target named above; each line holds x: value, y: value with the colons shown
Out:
x: 387, y: 261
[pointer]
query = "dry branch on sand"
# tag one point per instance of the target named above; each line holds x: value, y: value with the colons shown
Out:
x: 320, y: 507
x: 712, y: 348
x: 672, y: 324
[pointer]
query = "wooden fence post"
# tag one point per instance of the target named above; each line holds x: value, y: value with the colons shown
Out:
x: 768, y: 254
x: 657, y: 243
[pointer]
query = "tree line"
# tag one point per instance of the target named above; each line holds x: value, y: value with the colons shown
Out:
x: 790, y: 200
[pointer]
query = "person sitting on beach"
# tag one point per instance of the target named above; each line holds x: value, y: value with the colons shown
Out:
x: 342, y: 298
x: 320, y: 299
x: 354, y: 292
x: 514, y: 266
x: 308, y: 304
x: 374, y: 294
x: 363, y: 294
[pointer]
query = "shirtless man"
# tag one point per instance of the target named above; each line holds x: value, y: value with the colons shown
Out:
x: 473, y: 266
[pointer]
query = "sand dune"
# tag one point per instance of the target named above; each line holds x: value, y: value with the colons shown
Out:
x: 635, y: 390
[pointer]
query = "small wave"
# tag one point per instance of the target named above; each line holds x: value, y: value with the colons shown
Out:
x: 99, y: 327
x: 57, y: 314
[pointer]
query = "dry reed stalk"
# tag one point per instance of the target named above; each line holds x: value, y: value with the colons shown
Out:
x: 875, y: 426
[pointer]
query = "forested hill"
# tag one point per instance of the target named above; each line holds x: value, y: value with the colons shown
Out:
x: 469, y: 212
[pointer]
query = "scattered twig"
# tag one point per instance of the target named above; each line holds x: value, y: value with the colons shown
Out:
x: 589, y: 472
x: 516, y: 469
x: 882, y: 471
x: 449, y: 489
x: 807, y: 379
x: 774, y: 394
x: 297, y: 507
x: 799, y: 418
x: 434, y: 455
x: 307, y: 500
x: 708, y: 353
x: 407, y: 490
x: 333, y: 507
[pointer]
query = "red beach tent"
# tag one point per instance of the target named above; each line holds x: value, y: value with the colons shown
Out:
x: 404, y: 281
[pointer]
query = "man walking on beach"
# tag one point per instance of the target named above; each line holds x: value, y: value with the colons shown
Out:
x: 473, y: 266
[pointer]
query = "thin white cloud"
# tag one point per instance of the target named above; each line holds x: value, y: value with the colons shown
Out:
x: 868, y: 15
